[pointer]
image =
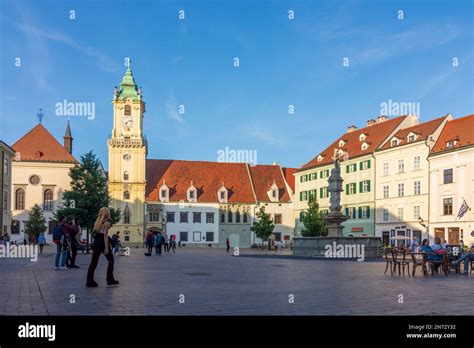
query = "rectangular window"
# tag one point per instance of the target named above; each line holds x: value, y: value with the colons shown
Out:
x: 314, y: 176
x: 277, y: 219
x: 209, y: 218
x: 304, y: 195
x: 351, y: 211
x: 169, y: 217
x: 386, y: 191
x: 351, y: 188
x: 416, y: 212
x: 365, y: 186
x: 351, y: 168
x: 401, y: 190
x: 385, y: 169
x: 365, y: 212
x: 448, y: 176
x: 324, y: 174
x: 197, y: 218
x: 400, y: 214
x: 447, y: 206
x: 416, y: 162
x: 401, y: 166
x: 209, y: 236
x: 183, y: 217
x: 323, y: 192
x: 153, y: 216
x: 385, y: 214
x: 417, y: 188
x: 183, y: 236
x: 365, y: 165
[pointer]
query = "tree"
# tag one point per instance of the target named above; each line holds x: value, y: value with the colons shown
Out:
x: 314, y: 225
x: 36, y: 223
x: 87, y: 195
x: 263, y: 227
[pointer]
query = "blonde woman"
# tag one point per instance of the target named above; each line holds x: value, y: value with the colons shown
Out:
x: 101, y: 245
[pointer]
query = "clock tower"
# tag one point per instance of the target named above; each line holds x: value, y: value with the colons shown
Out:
x: 127, y: 149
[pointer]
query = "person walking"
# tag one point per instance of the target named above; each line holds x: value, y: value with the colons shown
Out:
x: 159, y: 241
x: 149, y: 242
x: 172, y: 244
x: 72, y: 233
x: 116, y: 242
x: 227, y: 243
x: 58, y: 233
x: 101, y: 245
x: 179, y: 244
x: 41, y: 242
x: 166, y: 242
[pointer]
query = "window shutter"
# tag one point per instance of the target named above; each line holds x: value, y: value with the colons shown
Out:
x: 347, y: 168
x: 360, y: 212
x: 368, y: 212
x: 368, y: 185
x: 360, y: 166
x: 347, y: 211
x: 368, y: 164
x: 321, y: 192
x: 353, y: 213
x: 301, y: 195
x: 354, y: 166
x: 360, y: 186
x: 347, y: 189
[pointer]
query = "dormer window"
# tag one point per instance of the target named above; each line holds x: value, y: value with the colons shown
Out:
x: 364, y: 146
x: 411, y: 138
x: 222, y: 194
x: 362, y: 136
x: 192, y: 193
x: 450, y: 144
x: 273, y: 193
x: 342, y: 143
x: 394, y: 142
x: 320, y: 158
x: 164, y: 193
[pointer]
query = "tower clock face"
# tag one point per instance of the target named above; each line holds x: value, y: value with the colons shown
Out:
x: 127, y: 122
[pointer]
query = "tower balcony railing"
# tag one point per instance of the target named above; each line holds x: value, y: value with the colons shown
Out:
x: 126, y: 142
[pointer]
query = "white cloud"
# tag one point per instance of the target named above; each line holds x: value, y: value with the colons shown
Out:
x: 172, y: 110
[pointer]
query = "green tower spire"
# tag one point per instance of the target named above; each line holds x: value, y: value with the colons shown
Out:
x: 128, y: 87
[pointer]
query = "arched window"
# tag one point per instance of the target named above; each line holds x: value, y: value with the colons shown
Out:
x: 48, y: 200
x: 125, y: 175
x: 229, y: 216
x: 237, y: 216
x: 128, y: 110
x: 20, y: 199
x: 126, y: 195
x: 126, y: 215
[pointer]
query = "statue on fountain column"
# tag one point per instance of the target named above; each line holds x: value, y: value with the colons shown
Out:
x: 335, y: 184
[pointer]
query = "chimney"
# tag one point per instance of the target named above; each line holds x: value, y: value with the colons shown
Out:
x: 351, y: 128
x: 371, y: 122
x: 382, y: 118
x: 68, y: 139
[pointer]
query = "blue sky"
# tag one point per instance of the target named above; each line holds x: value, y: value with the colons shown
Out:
x: 190, y: 62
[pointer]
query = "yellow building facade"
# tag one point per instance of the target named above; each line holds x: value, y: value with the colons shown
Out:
x: 127, y: 151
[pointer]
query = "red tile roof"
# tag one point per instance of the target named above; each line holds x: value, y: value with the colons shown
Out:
x: 375, y: 133
x: 207, y: 178
x: 39, y: 145
x: 423, y: 130
x: 263, y: 177
x: 289, y: 177
x: 459, y: 129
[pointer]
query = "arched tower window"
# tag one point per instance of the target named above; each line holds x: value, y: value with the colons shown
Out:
x: 20, y: 199
x: 126, y: 215
x: 128, y: 110
x: 48, y: 200
x: 125, y: 175
x: 126, y: 195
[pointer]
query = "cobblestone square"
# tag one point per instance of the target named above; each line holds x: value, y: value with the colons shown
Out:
x: 216, y: 283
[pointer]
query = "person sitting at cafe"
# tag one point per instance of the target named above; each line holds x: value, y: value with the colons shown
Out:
x: 433, y: 251
x: 467, y: 257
